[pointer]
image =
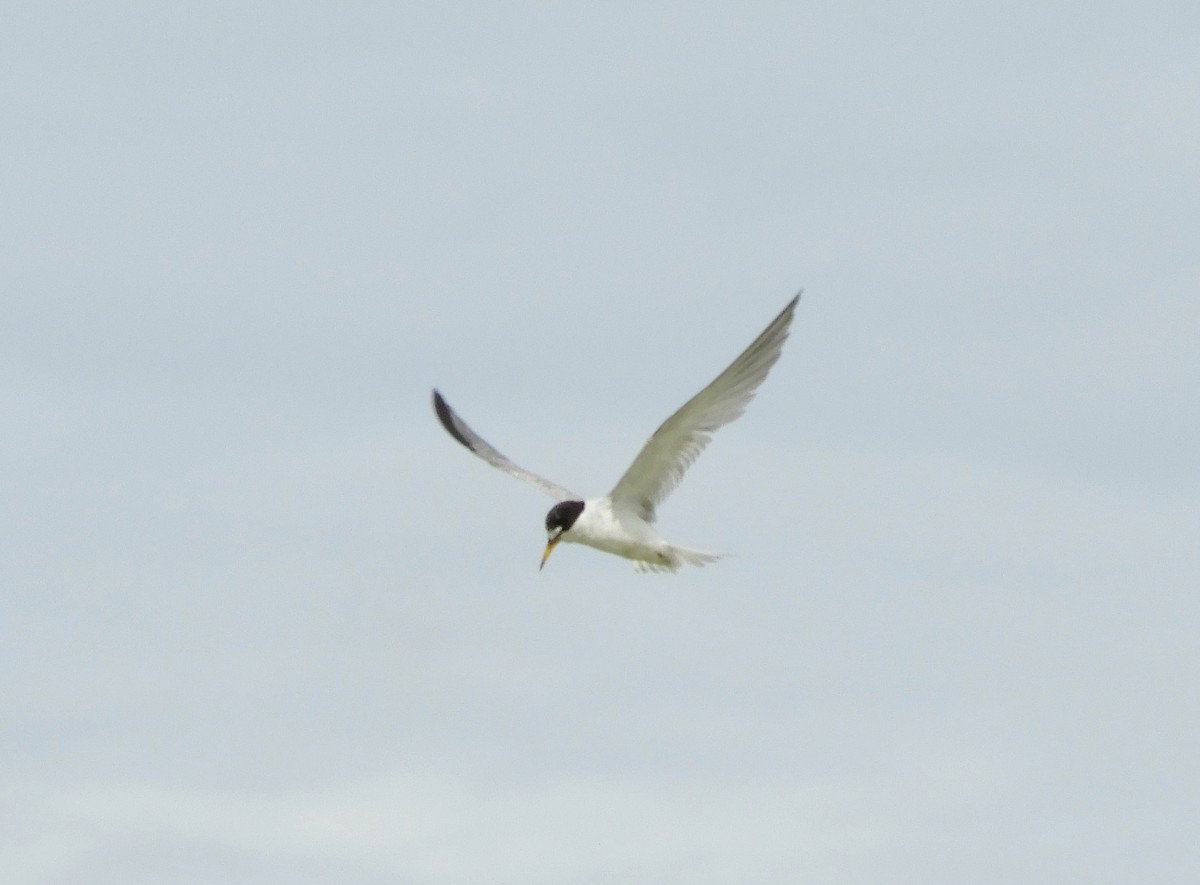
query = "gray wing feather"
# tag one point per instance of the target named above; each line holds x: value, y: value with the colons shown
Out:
x: 662, y: 462
x: 458, y: 429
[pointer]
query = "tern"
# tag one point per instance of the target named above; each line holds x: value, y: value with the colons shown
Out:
x: 622, y: 522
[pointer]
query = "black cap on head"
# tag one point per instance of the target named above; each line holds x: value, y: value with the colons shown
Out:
x: 563, y: 515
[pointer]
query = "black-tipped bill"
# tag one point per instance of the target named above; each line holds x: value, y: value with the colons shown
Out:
x: 550, y: 545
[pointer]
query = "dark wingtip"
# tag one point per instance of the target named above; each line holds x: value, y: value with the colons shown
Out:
x: 442, y: 409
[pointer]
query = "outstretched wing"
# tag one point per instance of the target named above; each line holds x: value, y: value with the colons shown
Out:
x: 458, y: 429
x: 660, y: 465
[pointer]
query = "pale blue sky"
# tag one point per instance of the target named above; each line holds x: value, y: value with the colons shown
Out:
x: 264, y: 622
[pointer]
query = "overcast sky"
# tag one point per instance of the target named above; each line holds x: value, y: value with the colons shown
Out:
x: 263, y: 621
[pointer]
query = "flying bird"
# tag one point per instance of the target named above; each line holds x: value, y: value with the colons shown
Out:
x: 622, y: 522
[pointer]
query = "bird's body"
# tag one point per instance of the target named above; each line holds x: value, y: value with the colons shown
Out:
x: 618, y: 530
x: 621, y: 522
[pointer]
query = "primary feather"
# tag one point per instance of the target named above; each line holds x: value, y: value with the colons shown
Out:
x: 459, y: 429
x: 666, y: 456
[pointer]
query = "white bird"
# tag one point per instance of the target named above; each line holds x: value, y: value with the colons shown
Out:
x: 622, y: 521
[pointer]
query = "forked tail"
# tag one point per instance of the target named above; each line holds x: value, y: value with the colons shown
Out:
x: 672, y: 557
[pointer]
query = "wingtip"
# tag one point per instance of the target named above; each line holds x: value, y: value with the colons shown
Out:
x: 439, y: 405
x: 447, y: 418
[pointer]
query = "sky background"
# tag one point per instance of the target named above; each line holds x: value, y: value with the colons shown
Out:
x: 262, y: 621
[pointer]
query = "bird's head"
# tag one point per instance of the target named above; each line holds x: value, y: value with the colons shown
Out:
x: 558, y: 522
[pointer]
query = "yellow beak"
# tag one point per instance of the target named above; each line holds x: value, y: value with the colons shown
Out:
x: 550, y: 545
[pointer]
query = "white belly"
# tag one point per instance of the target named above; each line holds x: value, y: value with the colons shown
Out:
x: 621, y: 533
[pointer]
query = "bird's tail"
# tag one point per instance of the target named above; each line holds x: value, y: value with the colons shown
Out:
x: 675, y: 557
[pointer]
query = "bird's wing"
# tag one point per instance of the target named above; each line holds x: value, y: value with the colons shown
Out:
x: 660, y: 465
x: 458, y: 429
